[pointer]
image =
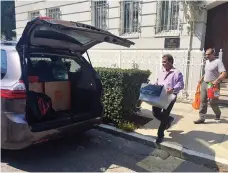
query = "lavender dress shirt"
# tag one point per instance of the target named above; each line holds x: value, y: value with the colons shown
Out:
x: 172, y: 79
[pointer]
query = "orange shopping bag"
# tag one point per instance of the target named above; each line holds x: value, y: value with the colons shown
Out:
x: 196, y: 102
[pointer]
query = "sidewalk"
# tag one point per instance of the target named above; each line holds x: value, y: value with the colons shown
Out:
x: 210, y: 138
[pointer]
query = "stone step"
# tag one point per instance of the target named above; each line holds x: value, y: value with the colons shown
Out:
x: 225, y: 80
x: 223, y: 99
x: 224, y: 84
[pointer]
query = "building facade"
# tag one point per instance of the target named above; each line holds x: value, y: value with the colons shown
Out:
x: 156, y: 27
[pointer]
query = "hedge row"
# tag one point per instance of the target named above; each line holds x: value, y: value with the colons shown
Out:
x: 121, y: 92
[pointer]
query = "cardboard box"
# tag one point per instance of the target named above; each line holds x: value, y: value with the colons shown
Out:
x: 36, y: 87
x: 33, y: 79
x: 60, y: 94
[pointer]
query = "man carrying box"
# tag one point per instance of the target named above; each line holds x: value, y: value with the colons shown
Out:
x: 172, y: 80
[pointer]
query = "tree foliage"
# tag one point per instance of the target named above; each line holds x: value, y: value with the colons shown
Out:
x: 8, y: 19
x: 192, y: 9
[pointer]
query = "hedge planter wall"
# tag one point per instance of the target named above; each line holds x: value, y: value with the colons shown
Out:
x: 121, y: 92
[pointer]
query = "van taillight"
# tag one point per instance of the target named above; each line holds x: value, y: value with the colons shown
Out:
x: 17, y: 91
x: 44, y: 18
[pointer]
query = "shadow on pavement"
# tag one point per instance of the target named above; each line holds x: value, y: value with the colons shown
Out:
x: 199, y: 139
x: 83, y: 153
x: 148, y: 113
x: 95, y: 152
x: 202, y: 140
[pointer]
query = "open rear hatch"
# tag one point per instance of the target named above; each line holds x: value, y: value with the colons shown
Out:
x: 57, y: 40
x: 66, y: 35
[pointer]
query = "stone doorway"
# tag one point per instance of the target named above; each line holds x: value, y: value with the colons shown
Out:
x: 217, y: 30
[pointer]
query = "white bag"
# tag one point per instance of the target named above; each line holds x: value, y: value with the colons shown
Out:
x: 152, y: 95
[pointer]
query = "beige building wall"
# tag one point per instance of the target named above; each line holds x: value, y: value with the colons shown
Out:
x: 149, y: 46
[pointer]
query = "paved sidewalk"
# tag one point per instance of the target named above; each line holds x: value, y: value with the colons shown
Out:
x: 210, y: 138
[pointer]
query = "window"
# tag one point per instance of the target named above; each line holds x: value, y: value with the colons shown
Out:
x: 52, y: 67
x: 33, y: 14
x: 54, y: 13
x: 3, y: 63
x: 167, y: 15
x: 72, y: 65
x: 45, y: 33
x: 129, y: 16
x: 99, y: 14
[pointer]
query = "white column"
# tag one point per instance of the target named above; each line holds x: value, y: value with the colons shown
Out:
x: 220, y: 54
x: 120, y: 59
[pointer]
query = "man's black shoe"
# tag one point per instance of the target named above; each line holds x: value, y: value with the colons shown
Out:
x: 159, y: 140
x: 169, y: 123
x: 199, y: 121
x: 217, y: 118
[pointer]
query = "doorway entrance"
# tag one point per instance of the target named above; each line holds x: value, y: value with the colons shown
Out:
x: 217, y: 31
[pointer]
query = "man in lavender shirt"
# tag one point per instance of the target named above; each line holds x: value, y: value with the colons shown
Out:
x: 172, y: 79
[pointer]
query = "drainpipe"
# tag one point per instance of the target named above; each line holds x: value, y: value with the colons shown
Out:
x: 192, y: 25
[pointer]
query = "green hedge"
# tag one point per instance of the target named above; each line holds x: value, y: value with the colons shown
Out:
x: 121, y: 92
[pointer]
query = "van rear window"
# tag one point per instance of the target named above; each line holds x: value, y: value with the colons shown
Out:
x: 66, y: 35
x: 3, y: 63
x: 52, y: 68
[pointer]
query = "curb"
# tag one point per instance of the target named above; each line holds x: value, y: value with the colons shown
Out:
x: 174, y: 150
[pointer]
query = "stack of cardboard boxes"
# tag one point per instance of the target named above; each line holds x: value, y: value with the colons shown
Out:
x: 58, y: 91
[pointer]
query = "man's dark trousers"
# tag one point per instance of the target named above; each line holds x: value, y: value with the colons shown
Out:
x: 163, y: 116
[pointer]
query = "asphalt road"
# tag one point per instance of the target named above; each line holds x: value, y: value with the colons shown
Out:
x: 94, y: 151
